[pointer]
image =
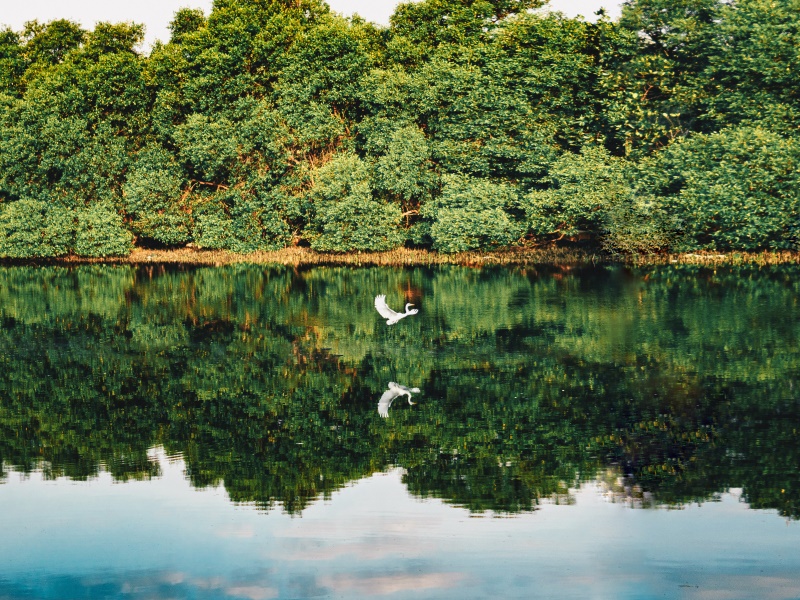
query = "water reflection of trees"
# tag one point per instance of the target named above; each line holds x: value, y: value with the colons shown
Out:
x: 680, y: 380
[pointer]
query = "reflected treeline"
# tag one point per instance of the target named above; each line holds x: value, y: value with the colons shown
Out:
x: 680, y: 380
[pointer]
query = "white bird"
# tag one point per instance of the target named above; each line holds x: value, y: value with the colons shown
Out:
x: 395, y: 390
x: 387, y: 313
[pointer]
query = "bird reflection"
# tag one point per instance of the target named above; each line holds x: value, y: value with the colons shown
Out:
x: 389, y: 314
x: 395, y: 390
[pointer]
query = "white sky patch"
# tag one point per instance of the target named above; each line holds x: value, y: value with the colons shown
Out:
x: 379, y: 11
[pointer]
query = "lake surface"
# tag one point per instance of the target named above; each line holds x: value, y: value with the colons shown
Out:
x: 601, y: 432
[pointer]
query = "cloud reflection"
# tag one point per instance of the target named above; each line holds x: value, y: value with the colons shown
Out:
x: 252, y: 592
x: 135, y: 585
x: 375, y: 548
x: 381, y: 585
x: 238, y: 532
x: 741, y: 587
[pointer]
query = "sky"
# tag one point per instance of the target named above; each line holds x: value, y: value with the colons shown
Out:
x: 156, y: 14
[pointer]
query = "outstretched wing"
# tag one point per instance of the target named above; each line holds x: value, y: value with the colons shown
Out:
x: 385, y: 311
x: 386, y: 401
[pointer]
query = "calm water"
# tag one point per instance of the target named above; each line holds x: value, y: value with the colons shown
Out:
x: 579, y: 433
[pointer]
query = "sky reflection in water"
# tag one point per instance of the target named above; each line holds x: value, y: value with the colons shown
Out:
x: 164, y: 539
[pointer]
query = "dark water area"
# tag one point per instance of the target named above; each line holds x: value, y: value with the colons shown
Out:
x: 561, y: 414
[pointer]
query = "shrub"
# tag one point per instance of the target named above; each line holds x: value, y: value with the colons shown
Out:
x: 405, y: 169
x: 636, y: 223
x: 473, y: 213
x: 736, y: 189
x: 32, y: 228
x: 100, y: 232
x: 209, y: 146
x: 256, y: 225
x: 153, y: 197
x: 593, y: 192
x: 241, y: 221
x: 212, y: 225
x: 579, y: 190
x: 461, y: 229
x: 345, y: 215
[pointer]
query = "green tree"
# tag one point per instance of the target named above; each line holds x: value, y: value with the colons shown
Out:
x: 153, y: 191
x: 32, y: 229
x: 345, y: 215
x: 99, y: 232
x: 68, y: 139
x: 235, y: 133
x: 596, y: 194
x: 49, y: 44
x: 658, y: 91
x: 405, y: 171
x: 12, y: 62
x: 419, y: 28
x: 732, y: 190
x: 754, y: 69
x: 473, y: 214
x: 185, y: 22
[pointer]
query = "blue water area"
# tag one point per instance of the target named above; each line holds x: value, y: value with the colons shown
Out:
x: 164, y: 539
x: 253, y: 432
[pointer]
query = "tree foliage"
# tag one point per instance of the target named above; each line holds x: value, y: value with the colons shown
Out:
x: 592, y: 194
x: 472, y: 214
x: 707, y: 184
x: 344, y: 214
x: 223, y: 135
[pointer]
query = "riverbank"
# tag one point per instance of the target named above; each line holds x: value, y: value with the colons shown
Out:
x: 405, y: 257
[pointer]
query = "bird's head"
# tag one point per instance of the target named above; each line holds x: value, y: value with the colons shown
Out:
x: 411, y: 311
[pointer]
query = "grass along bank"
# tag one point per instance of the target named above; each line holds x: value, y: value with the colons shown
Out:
x: 296, y: 256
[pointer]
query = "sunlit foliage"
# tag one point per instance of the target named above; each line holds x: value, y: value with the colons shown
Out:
x: 227, y: 135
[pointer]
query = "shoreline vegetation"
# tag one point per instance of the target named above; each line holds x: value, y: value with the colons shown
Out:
x: 465, y: 127
x: 403, y: 257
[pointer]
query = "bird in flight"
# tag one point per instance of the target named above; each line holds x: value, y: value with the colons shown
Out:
x: 387, y: 313
x: 395, y: 390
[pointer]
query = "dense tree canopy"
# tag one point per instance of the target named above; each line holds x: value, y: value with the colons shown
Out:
x: 462, y: 125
